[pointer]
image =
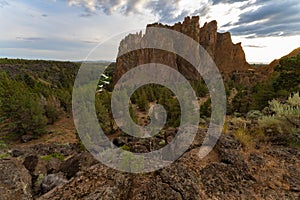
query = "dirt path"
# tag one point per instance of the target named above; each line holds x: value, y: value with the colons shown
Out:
x: 61, y: 132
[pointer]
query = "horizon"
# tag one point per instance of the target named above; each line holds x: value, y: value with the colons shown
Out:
x: 100, y: 61
x: 67, y: 30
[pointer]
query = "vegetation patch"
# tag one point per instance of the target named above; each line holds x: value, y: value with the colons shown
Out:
x: 244, y: 138
x: 53, y: 155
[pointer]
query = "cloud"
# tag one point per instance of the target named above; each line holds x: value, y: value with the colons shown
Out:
x: 254, y: 46
x: 108, y: 6
x: 167, y: 11
x: 87, y: 14
x: 202, y: 11
x: 226, y: 1
x: 271, y: 18
x: 30, y: 39
x: 3, y: 3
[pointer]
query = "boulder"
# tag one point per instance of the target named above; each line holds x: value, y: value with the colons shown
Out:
x: 53, y: 166
x: 51, y: 181
x: 35, y: 165
x: 15, y: 180
x: 26, y: 138
x: 74, y: 164
x: 17, y: 153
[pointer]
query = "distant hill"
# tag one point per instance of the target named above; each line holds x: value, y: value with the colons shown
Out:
x: 275, y: 62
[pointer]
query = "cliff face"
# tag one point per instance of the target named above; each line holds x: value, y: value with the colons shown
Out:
x: 229, y: 57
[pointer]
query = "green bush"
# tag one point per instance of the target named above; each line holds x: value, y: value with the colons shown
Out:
x: 51, y: 114
x: 3, y: 145
x: 205, y: 109
x: 4, y: 155
x: 282, y: 124
x: 254, y: 115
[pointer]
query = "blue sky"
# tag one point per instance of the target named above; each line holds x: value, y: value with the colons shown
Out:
x: 70, y: 29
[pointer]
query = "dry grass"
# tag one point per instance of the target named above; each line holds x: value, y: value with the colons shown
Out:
x: 244, y: 138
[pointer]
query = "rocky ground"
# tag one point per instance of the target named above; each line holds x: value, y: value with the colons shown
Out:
x: 228, y: 172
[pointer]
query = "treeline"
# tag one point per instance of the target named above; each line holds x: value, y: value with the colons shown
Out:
x: 34, y: 94
x: 284, y: 81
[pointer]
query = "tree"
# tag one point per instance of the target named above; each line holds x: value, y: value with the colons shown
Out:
x: 20, y: 107
x: 282, y: 123
x: 205, y: 109
x: 143, y: 102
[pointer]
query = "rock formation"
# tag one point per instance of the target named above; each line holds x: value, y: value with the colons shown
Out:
x: 229, y: 57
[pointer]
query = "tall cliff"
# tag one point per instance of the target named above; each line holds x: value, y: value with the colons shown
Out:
x: 229, y: 57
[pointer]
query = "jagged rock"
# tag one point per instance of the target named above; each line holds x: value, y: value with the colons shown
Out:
x: 293, y: 182
x: 15, y: 180
x: 230, y: 157
x: 37, y: 169
x: 72, y: 165
x: 26, y: 138
x: 53, y: 166
x: 256, y: 159
x: 178, y: 181
x: 290, y: 155
x: 51, y: 181
x: 120, y: 141
x: 229, y: 57
x: 226, y: 173
x: 37, y: 184
x: 35, y: 165
x: 97, y: 182
x: 225, y: 181
x: 31, y: 162
x: 228, y: 142
x: 17, y: 153
x: 47, y: 149
x: 139, y: 149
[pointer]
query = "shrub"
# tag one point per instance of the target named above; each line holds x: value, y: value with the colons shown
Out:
x: 254, y: 115
x: 125, y: 147
x: 282, y: 124
x: 3, y: 145
x: 4, y: 155
x: 244, y: 138
x: 51, y: 114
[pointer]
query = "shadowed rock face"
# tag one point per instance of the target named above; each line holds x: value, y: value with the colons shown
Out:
x: 228, y: 57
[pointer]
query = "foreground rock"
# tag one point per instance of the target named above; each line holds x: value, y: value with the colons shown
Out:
x: 226, y: 173
x: 51, y: 181
x: 76, y: 163
x: 15, y: 180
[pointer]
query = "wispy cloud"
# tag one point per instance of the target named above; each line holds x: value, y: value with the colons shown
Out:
x: 270, y: 18
x: 3, y: 3
x: 226, y: 1
x: 254, y: 46
x: 167, y: 11
x: 30, y: 39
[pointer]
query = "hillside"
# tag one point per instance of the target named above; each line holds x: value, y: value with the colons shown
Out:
x: 275, y: 62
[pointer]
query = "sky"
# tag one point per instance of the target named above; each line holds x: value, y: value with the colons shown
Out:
x: 70, y: 29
